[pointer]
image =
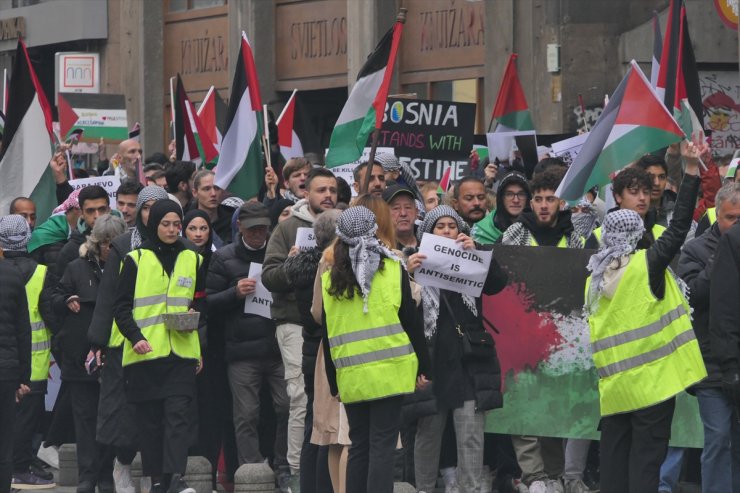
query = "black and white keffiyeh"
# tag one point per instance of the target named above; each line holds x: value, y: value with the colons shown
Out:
x: 150, y: 192
x: 356, y: 227
x: 430, y: 295
x: 621, y: 231
x: 15, y: 233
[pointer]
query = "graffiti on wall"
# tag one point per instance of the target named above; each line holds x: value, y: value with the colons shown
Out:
x: 586, y: 121
x: 720, y: 94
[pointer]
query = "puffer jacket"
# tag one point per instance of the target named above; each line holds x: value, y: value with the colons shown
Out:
x: 15, y: 327
x: 695, y: 268
x: 302, y: 269
x: 81, y: 278
x: 245, y: 336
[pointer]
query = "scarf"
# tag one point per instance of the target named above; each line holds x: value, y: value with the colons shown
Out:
x: 15, y: 233
x: 288, y: 195
x: 622, y: 230
x: 356, y: 227
x: 430, y: 295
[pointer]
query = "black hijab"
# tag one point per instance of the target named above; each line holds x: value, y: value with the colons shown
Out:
x: 207, y: 248
x: 166, y: 253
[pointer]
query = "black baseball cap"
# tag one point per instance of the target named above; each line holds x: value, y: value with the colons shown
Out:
x: 394, y: 191
x: 254, y: 214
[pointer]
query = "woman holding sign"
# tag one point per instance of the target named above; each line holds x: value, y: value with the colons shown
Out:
x: 465, y: 368
x: 376, y: 349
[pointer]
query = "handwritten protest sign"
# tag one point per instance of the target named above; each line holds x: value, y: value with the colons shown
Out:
x: 109, y: 183
x: 449, y: 266
x: 305, y: 239
x: 259, y: 302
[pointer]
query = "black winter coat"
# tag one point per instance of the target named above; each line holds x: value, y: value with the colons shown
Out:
x: 302, y: 269
x: 724, y: 302
x: 15, y: 327
x: 246, y: 336
x: 695, y: 267
x: 81, y: 278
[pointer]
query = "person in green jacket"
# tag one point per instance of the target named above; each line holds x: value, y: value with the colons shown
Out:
x: 511, y: 200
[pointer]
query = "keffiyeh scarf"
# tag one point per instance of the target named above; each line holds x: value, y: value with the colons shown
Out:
x: 430, y: 295
x: 356, y: 227
x: 14, y: 233
x: 151, y: 192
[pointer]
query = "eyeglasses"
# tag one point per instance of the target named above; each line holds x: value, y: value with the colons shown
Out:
x: 517, y: 195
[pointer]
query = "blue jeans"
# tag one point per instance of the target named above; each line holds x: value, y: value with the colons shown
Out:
x: 720, y: 460
x: 670, y: 470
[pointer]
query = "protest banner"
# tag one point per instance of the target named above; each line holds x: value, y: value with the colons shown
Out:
x: 550, y: 384
x: 98, y: 115
x: 429, y: 136
x: 259, y: 302
x: 568, y: 149
x: 305, y: 239
x: 109, y: 183
x: 520, y: 144
x: 449, y: 266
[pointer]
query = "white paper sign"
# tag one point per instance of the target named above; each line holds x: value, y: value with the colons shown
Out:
x: 568, y: 149
x: 109, y: 183
x: 259, y: 302
x: 305, y: 239
x: 449, y: 266
x: 501, y: 144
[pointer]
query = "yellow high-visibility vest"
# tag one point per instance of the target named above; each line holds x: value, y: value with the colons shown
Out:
x: 40, y: 335
x: 644, y: 349
x: 712, y: 215
x: 371, y: 351
x: 156, y: 294
x: 657, y: 230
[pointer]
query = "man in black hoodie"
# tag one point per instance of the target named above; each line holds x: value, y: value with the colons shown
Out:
x: 546, y: 224
x: 31, y: 277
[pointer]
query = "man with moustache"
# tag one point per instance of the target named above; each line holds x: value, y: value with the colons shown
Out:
x: 469, y: 200
x: 321, y: 186
x: 377, y: 178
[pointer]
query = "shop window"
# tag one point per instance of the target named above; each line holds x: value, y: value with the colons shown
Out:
x: 183, y: 5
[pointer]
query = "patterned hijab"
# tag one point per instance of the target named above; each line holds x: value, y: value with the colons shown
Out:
x: 151, y: 192
x: 430, y: 295
x: 622, y: 230
x: 356, y: 227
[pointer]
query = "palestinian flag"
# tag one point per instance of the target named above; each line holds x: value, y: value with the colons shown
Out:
x: 685, y: 105
x: 240, y: 168
x: 364, y: 109
x: 511, y: 111
x: 135, y: 132
x: 98, y: 115
x: 212, y: 114
x: 191, y: 141
x: 668, y: 57
x: 444, y: 183
x: 290, y: 144
x: 27, y: 144
x: 634, y: 123
x: 657, y: 50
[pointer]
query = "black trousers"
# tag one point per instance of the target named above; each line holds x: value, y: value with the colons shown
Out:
x: 165, y: 435
x: 28, y: 415
x: 94, y: 460
x: 373, y: 430
x: 7, y: 422
x: 633, y: 447
x: 315, y: 476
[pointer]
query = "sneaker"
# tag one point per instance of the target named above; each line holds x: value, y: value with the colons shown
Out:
x: 29, y: 481
x: 178, y: 485
x: 576, y: 486
x: 49, y: 455
x: 122, y: 478
x: 37, y: 468
x: 283, y: 482
x: 538, y: 487
x: 554, y: 486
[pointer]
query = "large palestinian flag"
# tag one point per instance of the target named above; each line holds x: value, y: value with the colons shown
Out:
x: 27, y: 141
x: 240, y: 167
x: 687, y: 100
x: 363, y: 111
x: 634, y: 122
x: 191, y: 140
x: 511, y: 110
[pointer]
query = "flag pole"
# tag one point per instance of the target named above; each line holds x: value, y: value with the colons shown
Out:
x: 400, y: 17
x: 266, y: 137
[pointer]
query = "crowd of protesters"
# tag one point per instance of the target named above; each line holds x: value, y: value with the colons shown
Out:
x: 360, y: 375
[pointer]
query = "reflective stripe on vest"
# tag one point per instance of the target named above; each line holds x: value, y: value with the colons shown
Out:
x: 371, y: 351
x: 157, y: 294
x: 563, y: 243
x: 712, y: 215
x: 644, y: 349
x: 657, y: 230
x: 40, y: 335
